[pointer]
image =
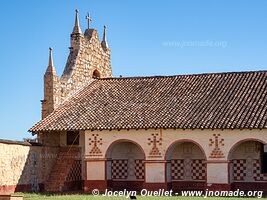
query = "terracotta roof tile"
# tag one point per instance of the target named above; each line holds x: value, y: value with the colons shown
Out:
x: 204, y: 101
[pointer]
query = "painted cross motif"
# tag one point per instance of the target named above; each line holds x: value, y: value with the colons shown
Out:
x: 154, y: 141
x: 216, y: 152
x: 95, y: 142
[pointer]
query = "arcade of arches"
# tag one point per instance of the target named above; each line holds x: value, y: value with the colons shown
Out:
x: 175, y: 159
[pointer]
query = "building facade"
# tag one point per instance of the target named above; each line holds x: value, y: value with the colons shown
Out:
x: 187, y: 132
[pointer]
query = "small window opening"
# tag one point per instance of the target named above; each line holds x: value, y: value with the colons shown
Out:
x: 73, y: 138
x: 96, y: 74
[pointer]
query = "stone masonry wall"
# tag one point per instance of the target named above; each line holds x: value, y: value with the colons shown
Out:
x: 86, y: 56
x: 24, y: 167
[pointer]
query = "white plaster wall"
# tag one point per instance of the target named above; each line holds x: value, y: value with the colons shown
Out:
x: 155, y: 172
x: 217, y: 173
x: 170, y: 137
x: 96, y: 170
x: 125, y: 150
x: 249, y: 149
x: 186, y: 150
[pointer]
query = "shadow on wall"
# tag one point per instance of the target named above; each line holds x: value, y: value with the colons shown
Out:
x: 24, y: 166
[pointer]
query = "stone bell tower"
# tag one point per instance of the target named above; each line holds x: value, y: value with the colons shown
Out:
x: 89, y: 58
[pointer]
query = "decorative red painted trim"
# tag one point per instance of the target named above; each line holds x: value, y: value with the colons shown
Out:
x: 217, y: 161
x: 248, y: 186
x: 89, y: 185
x: 155, y: 161
x: 155, y: 186
x: 94, y: 159
x: 128, y: 185
x: 178, y: 186
x: 105, y: 170
x: 218, y: 187
x: 184, y: 140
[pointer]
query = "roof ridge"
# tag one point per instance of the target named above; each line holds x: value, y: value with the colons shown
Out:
x: 187, y: 102
x: 181, y: 75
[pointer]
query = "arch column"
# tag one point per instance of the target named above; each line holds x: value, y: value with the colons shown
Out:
x: 125, y: 166
x: 218, y: 175
x: 155, y: 175
x: 95, y: 180
x: 186, y: 166
x: 246, y: 165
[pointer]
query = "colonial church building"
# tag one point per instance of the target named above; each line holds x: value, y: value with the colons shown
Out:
x: 180, y: 132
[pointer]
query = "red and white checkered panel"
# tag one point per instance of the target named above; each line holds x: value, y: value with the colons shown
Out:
x: 119, y: 169
x: 239, y: 168
x: 177, y: 169
x: 139, y: 169
x: 198, y: 170
x: 258, y: 176
x: 75, y: 173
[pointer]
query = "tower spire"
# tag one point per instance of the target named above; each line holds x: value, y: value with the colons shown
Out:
x: 89, y: 19
x: 104, y: 42
x: 76, y: 28
x: 50, y: 67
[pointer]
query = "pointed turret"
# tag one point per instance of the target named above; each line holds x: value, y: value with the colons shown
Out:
x: 76, y: 28
x: 50, y: 67
x: 50, y: 87
x: 104, y: 42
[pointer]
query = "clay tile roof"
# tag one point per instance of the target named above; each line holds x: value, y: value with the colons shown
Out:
x: 235, y: 100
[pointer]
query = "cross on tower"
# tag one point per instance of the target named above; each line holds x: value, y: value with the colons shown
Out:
x: 89, y: 19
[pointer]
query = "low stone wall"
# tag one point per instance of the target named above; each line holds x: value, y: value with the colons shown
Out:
x: 24, y: 166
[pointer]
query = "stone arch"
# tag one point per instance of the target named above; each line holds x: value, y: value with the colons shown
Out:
x: 186, y: 165
x: 125, y: 167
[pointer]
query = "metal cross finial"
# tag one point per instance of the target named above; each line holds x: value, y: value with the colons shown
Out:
x: 89, y: 19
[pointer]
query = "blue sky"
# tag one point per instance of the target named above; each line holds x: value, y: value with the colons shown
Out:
x: 147, y: 37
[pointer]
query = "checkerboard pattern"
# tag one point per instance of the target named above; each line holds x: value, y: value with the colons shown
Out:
x: 198, y: 170
x: 239, y: 168
x: 75, y: 173
x: 177, y: 169
x: 139, y: 169
x: 258, y: 176
x: 119, y: 169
